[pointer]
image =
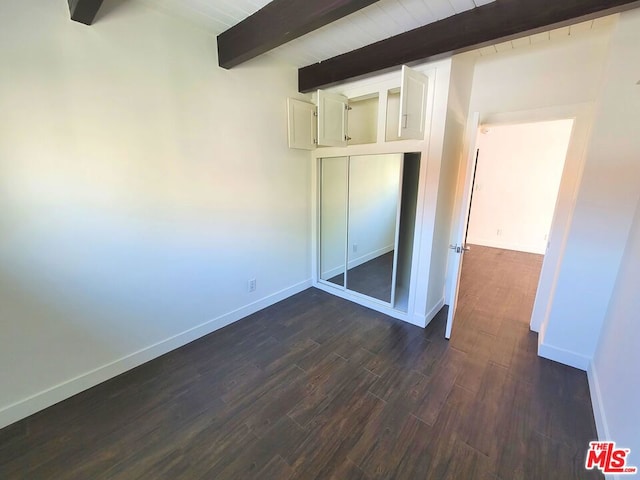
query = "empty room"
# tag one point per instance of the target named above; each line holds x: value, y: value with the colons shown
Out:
x: 235, y: 240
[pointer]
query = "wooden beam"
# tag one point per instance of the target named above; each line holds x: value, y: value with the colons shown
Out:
x: 277, y: 23
x: 501, y: 20
x: 84, y: 11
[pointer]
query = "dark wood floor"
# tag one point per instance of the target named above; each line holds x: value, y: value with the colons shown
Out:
x: 372, y: 278
x: 318, y: 388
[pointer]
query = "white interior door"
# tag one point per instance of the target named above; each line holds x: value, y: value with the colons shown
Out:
x: 459, y: 231
x: 332, y: 119
x: 413, y: 104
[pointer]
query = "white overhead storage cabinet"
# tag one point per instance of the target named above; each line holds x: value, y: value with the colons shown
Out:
x: 336, y: 120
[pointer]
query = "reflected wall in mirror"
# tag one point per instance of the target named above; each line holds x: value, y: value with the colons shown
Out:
x: 333, y: 218
x: 374, y: 192
x: 367, y: 216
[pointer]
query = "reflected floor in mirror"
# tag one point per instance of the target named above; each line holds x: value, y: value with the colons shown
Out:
x: 372, y: 278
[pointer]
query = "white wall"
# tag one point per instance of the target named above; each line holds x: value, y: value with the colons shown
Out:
x: 374, y: 191
x: 560, y: 72
x: 604, y: 208
x: 614, y: 371
x: 516, y: 184
x: 141, y: 187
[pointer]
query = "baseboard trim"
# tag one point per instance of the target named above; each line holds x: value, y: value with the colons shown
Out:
x: 363, y: 300
x: 373, y: 304
x: 46, y: 398
x: 563, y: 356
x: 417, y: 320
x: 518, y: 247
x: 356, y: 262
x: 333, y: 272
x: 434, y: 311
x: 602, y: 426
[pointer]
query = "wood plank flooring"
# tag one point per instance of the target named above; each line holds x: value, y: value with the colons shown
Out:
x: 319, y: 388
x: 372, y: 278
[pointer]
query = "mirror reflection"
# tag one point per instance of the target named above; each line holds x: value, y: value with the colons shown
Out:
x: 374, y: 189
x: 333, y: 219
x: 359, y: 203
x: 368, y: 208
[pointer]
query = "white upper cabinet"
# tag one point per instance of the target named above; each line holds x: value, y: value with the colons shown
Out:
x: 332, y: 119
x: 413, y: 99
x: 302, y: 124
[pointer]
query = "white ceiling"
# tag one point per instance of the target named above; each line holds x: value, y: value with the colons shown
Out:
x: 381, y: 20
x: 555, y: 34
x: 376, y: 22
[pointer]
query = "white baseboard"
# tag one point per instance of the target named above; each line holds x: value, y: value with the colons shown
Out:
x: 417, y: 320
x: 563, y: 356
x: 370, y: 256
x: 356, y: 262
x: 538, y: 249
x: 423, y: 321
x: 434, y: 311
x: 41, y: 400
x: 602, y: 427
x: 333, y: 272
x: 370, y: 302
x: 598, y: 406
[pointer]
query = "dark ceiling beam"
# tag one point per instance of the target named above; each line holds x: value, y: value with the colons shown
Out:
x: 84, y: 11
x: 277, y: 23
x: 498, y: 21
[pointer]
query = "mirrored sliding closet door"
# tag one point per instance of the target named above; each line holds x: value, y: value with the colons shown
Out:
x: 367, y: 213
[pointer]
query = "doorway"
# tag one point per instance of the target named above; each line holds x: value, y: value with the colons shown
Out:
x: 508, y: 204
x: 516, y: 183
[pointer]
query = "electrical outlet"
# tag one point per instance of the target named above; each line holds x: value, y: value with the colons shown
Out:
x: 498, y: 232
x: 355, y: 247
x: 252, y: 285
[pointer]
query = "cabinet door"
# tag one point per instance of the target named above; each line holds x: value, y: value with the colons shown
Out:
x: 302, y: 124
x: 332, y: 119
x: 413, y: 103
